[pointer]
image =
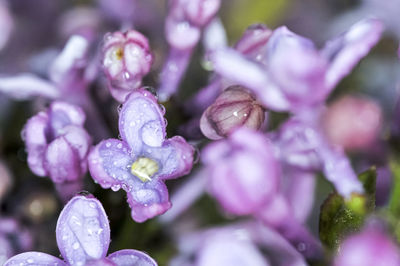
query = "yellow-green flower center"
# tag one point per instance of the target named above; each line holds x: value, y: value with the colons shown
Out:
x: 119, y: 53
x: 144, y: 168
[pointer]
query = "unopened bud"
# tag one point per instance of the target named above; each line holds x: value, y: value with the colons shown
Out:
x: 352, y: 122
x: 234, y: 108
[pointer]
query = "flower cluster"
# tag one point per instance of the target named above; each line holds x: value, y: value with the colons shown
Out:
x: 83, y: 237
x: 292, y: 169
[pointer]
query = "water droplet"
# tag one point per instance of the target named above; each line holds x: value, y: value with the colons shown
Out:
x: 108, y: 144
x: 119, y: 108
x: 30, y: 260
x: 115, y: 187
x: 119, y: 146
x: 127, y: 75
x: 151, y: 90
x: 92, y: 204
x: 196, y: 155
x: 301, y: 247
x: 75, y: 245
x: 162, y: 107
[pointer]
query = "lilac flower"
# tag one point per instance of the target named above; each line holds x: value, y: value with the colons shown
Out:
x: 371, y: 247
x: 244, y: 165
x: 126, y: 59
x: 6, y: 24
x: 252, y: 45
x: 143, y: 159
x: 57, y: 144
x: 236, y: 244
x: 83, y: 237
x: 66, y: 73
x: 296, y: 75
x: 302, y: 145
x: 13, y: 238
x: 234, y: 108
x: 183, y: 26
x: 352, y: 122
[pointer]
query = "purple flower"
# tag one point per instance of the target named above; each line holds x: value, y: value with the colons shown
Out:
x: 244, y: 174
x: 6, y: 24
x: 303, y: 145
x: 352, y: 122
x: 126, y: 59
x: 183, y: 27
x: 371, y: 247
x: 13, y: 239
x: 294, y: 74
x: 83, y: 237
x: 57, y: 144
x: 234, y: 108
x: 143, y: 159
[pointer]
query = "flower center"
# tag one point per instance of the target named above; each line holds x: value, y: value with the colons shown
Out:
x: 144, y: 168
x: 119, y: 53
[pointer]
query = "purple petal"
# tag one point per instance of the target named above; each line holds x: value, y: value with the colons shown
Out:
x: 180, y: 34
x: 26, y: 86
x: 148, y: 201
x: 142, y: 121
x: 83, y: 231
x: 6, y: 24
x: 64, y: 113
x: 72, y: 56
x: 229, y: 249
x: 34, y: 259
x: 129, y: 257
x: 236, y: 68
x: 244, y: 174
x: 214, y: 36
x: 62, y: 162
x: 109, y: 163
x: 254, y: 41
x: 300, y: 193
x: 296, y: 67
x: 368, y: 248
x: 78, y: 138
x: 175, y: 158
x: 348, y: 49
x: 34, y: 135
x: 200, y: 12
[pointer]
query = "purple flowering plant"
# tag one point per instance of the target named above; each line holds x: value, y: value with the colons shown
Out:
x: 268, y: 110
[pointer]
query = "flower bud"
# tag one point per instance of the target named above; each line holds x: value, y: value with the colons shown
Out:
x: 234, y: 108
x: 244, y: 173
x: 126, y: 59
x: 352, y: 122
x: 368, y: 248
x: 200, y: 12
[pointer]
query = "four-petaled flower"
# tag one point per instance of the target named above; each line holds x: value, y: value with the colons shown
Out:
x: 143, y: 159
x: 57, y: 144
x: 83, y: 237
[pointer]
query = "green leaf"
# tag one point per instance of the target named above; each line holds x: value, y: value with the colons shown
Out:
x: 394, y: 200
x: 340, y: 217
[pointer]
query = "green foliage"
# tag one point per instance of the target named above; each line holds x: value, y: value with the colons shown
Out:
x: 340, y: 217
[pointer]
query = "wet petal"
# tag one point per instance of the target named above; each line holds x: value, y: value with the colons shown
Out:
x: 83, y: 231
x: 26, y: 86
x: 142, y: 120
x: 34, y: 135
x: 129, y: 257
x: 62, y: 162
x: 347, y: 50
x: 110, y: 163
x: 34, y: 259
x: 175, y: 157
x: 148, y: 201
